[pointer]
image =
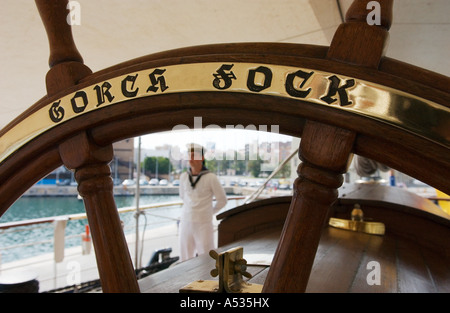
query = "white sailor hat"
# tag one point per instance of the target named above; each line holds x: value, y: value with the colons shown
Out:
x: 194, y: 147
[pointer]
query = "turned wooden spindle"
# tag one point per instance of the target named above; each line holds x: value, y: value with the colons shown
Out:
x: 357, y: 42
x: 88, y: 160
x: 95, y: 185
x: 325, y: 152
x: 65, y: 61
x: 59, y: 32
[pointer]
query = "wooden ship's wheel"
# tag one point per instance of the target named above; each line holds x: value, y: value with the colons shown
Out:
x: 341, y: 100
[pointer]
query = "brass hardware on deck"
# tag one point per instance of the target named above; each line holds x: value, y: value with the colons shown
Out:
x: 358, y: 224
x: 230, y: 267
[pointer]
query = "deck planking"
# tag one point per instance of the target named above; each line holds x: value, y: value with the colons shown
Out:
x: 340, y: 265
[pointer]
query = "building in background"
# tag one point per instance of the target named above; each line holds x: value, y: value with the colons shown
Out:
x: 122, y: 166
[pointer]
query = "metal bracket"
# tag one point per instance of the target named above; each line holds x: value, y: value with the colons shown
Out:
x: 230, y: 267
x: 358, y: 224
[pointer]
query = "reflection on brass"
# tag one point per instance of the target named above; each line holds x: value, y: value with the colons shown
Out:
x: 390, y: 106
x: 230, y: 267
x: 364, y: 227
x: 358, y: 224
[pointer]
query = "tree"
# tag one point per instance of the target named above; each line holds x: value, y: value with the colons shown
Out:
x: 153, y: 164
x: 254, y: 166
x: 212, y: 165
x: 285, y: 171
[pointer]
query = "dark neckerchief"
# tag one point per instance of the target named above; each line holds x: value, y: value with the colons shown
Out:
x: 191, y: 179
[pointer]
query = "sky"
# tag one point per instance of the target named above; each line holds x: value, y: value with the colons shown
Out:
x: 223, y: 139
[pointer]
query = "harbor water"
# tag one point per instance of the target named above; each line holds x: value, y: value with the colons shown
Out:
x: 28, y: 241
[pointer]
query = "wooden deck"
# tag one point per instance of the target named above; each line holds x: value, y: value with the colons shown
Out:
x: 173, y: 279
x: 412, y: 256
x: 340, y: 266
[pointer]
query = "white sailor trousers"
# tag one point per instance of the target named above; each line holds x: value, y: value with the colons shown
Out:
x: 195, y: 239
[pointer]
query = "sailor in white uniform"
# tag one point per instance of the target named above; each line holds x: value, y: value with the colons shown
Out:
x: 198, y: 186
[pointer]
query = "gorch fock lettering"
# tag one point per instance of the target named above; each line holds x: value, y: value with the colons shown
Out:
x: 306, y: 85
x: 295, y: 83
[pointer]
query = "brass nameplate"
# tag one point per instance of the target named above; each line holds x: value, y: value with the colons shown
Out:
x: 391, y: 106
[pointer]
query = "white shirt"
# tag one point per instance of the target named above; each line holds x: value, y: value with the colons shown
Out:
x: 198, y: 202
